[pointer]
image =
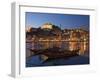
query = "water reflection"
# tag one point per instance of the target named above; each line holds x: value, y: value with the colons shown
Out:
x: 83, y: 46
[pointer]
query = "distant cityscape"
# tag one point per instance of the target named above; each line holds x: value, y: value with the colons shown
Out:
x: 50, y: 35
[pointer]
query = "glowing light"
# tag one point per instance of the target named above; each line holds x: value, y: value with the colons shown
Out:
x: 47, y: 26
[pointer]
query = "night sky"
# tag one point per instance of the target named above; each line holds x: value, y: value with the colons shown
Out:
x: 63, y: 20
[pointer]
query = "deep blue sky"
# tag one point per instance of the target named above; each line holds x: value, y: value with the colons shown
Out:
x: 65, y: 20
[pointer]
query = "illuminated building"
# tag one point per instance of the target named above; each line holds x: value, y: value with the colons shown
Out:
x: 47, y: 26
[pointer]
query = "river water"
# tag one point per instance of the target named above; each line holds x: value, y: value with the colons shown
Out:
x: 83, y: 46
x: 83, y: 57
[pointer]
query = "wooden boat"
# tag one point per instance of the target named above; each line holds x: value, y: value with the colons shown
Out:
x: 36, y: 51
x: 58, y: 53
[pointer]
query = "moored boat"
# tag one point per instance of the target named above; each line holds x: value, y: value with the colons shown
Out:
x: 56, y: 52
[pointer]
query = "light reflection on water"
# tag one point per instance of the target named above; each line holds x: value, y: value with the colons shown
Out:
x: 83, y: 46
